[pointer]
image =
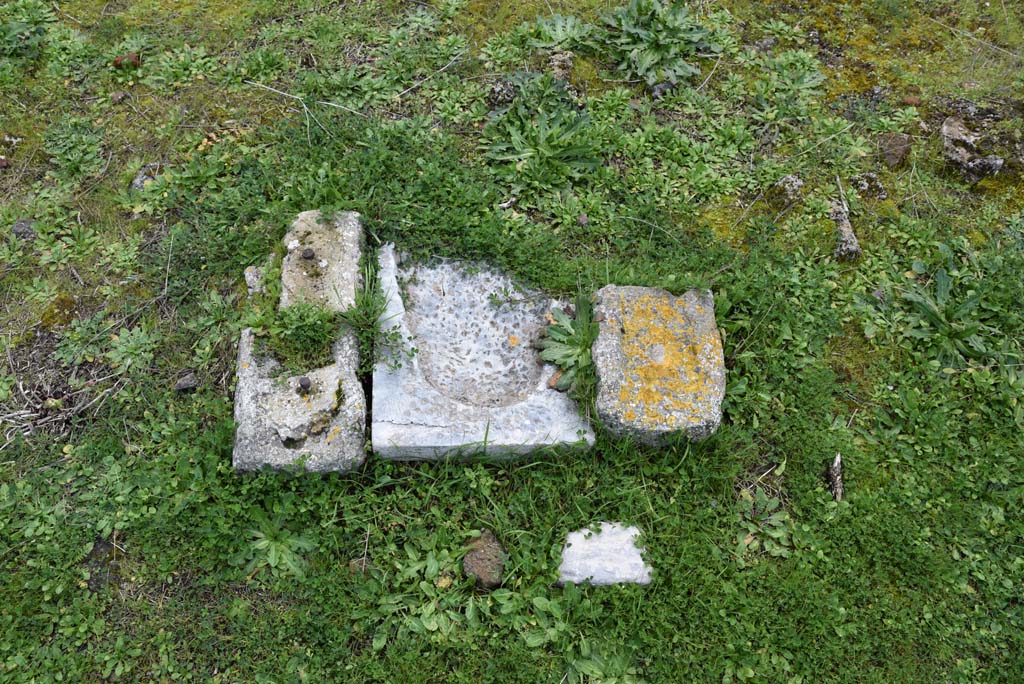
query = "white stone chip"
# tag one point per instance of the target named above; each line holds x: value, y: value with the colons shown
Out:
x: 603, y: 556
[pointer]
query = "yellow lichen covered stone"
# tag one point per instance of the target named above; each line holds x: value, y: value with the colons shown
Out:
x: 659, y: 362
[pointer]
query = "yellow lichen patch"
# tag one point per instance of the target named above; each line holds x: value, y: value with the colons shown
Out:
x: 513, y: 340
x: 666, y: 382
x: 335, y: 431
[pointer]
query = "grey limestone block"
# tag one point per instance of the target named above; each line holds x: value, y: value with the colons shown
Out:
x: 659, y: 363
x: 476, y: 384
x: 280, y: 427
x: 322, y: 262
x: 607, y: 554
x: 279, y: 424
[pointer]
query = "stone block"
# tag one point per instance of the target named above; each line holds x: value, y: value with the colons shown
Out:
x: 659, y: 362
x: 476, y: 383
x: 279, y: 423
x: 322, y: 262
x: 607, y: 554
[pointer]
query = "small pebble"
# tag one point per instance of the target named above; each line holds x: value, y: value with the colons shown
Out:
x: 304, y: 383
x: 485, y: 561
x: 23, y: 230
x: 129, y: 61
x: 308, y: 253
x: 186, y: 383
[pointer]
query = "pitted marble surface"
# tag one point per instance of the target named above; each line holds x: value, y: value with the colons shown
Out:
x: 476, y: 383
x: 480, y: 355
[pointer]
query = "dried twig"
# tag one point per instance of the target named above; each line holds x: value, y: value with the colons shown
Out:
x: 416, y: 85
x: 834, y: 474
x: 713, y: 69
x: 305, y: 109
x: 167, y: 270
x: 823, y: 141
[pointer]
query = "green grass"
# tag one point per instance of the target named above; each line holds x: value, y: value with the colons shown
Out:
x: 915, y: 577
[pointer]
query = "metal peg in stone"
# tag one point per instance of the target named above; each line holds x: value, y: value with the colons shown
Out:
x: 308, y: 253
x: 304, y: 384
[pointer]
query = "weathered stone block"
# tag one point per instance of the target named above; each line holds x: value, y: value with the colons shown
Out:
x: 607, y: 554
x: 279, y: 423
x: 475, y: 384
x: 322, y: 262
x: 659, y: 362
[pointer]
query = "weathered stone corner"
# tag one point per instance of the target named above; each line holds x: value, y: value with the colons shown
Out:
x: 280, y: 423
x: 476, y: 384
x: 659, y: 362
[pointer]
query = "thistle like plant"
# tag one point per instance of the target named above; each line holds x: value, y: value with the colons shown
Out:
x: 949, y: 329
x: 567, y: 342
x: 652, y: 40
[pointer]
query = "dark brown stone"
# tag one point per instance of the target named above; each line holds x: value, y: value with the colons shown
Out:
x: 485, y: 560
x: 129, y: 61
x: 895, y: 147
